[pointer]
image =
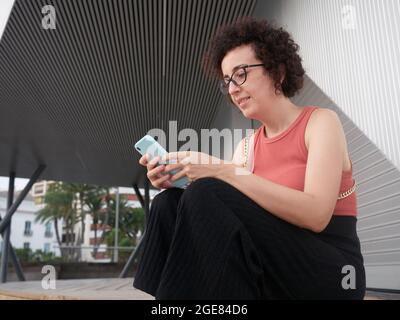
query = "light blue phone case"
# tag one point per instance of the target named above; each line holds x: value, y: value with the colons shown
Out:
x: 149, y: 145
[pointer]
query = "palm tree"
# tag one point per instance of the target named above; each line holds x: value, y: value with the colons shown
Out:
x: 131, y: 220
x: 79, y: 191
x: 96, y: 204
x: 58, y: 207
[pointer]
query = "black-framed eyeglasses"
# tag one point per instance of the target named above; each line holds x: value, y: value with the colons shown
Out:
x: 238, y: 77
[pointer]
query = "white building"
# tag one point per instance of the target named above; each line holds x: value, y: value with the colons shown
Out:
x: 25, y: 232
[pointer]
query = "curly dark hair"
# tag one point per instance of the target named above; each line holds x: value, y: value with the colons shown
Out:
x: 273, y: 46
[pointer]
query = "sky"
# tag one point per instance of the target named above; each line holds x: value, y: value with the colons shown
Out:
x: 19, y: 183
x: 5, y: 9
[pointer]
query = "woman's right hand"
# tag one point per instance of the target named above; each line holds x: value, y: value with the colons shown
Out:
x: 154, y: 173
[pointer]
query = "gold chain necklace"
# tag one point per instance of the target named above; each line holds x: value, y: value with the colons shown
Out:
x: 348, y: 192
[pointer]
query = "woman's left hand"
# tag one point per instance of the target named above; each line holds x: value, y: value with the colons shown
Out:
x: 194, y: 165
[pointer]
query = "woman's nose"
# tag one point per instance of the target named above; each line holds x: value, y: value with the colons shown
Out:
x: 232, y: 88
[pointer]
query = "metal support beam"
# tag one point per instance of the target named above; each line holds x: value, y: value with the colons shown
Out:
x: 146, y: 207
x: 7, y: 218
x: 5, y: 224
x: 6, y: 235
x: 116, y: 242
x: 7, y: 246
x: 15, y: 261
x: 138, y: 195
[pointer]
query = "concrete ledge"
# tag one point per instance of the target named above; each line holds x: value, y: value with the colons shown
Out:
x: 83, y: 289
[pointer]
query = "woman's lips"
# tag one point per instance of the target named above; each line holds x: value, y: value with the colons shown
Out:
x: 241, y: 102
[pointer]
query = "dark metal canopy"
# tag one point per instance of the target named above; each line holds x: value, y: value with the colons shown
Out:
x: 77, y: 98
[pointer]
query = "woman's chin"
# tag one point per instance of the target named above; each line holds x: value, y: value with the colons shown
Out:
x: 246, y: 112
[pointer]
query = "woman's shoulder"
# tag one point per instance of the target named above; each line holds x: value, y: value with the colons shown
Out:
x: 323, y: 116
x: 322, y: 119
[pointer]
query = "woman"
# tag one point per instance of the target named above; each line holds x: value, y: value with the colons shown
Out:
x: 285, y: 230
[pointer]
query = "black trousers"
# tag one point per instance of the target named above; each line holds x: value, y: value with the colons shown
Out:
x: 211, y: 241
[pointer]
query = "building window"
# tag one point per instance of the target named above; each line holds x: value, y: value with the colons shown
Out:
x: 28, y: 230
x: 47, y: 247
x: 68, y: 238
x: 48, y: 233
x: 38, y: 189
x: 27, y: 245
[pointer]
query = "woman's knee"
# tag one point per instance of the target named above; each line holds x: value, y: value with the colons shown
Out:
x: 166, y: 202
x: 209, y: 195
x: 205, y: 190
x: 204, y: 186
x: 166, y: 196
x: 202, y: 196
x: 196, y: 193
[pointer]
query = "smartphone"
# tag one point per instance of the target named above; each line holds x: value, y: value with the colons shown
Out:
x: 150, y: 146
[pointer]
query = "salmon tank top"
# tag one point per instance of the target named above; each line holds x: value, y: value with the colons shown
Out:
x: 283, y: 159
